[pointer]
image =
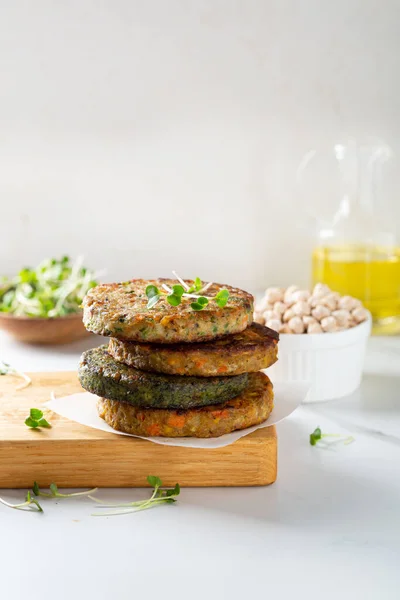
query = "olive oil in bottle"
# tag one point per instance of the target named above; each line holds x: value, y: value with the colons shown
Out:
x: 370, y: 273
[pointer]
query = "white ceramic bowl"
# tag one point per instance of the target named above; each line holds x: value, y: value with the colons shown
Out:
x: 332, y: 362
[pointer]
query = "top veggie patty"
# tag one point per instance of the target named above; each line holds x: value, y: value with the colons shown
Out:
x: 120, y: 310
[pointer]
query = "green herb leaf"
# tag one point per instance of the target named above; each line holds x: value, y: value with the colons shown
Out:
x: 154, y: 481
x: 31, y: 423
x: 153, y: 295
x: 152, y: 291
x: 36, y: 502
x: 174, y: 300
x: 175, y: 491
x: 178, y: 290
x: 196, y: 287
x: 44, y: 423
x: 197, y: 306
x: 35, y: 414
x: 221, y: 298
x: 176, y: 297
x: 54, y: 489
x: 202, y: 300
x: 315, y: 436
x: 36, y: 489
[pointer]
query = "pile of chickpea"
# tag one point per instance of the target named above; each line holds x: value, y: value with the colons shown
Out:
x: 293, y: 310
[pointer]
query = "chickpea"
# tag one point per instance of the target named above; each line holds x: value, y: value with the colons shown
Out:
x: 285, y: 328
x: 329, y: 324
x: 349, y: 303
x: 287, y: 315
x: 273, y: 294
x: 320, y: 312
x: 342, y: 317
x: 279, y: 308
x: 301, y: 295
x: 274, y: 324
x: 301, y: 308
x: 307, y: 320
x: 296, y: 325
x: 330, y: 301
x: 314, y: 328
x: 271, y: 314
x: 263, y: 305
x: 320, y: 290
x: 359, y: 314
x: 288, y: 296
x: 258, y: 318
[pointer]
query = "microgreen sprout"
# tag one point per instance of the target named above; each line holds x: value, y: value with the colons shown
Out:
x: 200, y: 303
x: 54, y: 493
x: 175, y: 298
x: 6, y: 369
x: 222, y: 298
x: 36, y: 419
x: 178, y: 292
x: 27, y: 505
x: 159, y: 496
x: 54, y: 288
x: 317, y: 436
x: 153, y: 295
x: 196, y: 287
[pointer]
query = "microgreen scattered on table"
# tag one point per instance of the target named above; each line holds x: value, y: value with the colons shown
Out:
x: 29, y: 504
x: 54, y: 493
x: 317, y: 436
x: 175, y: 294
x: 159, y: 496
x: 6, y: 369
x: 36, y: 419
x: 53, y: 289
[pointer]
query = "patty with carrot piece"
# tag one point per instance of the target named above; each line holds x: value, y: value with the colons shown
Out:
x: 164, y: 312
x: 251, y: 407
x: 100, y: 374
x: 253, y: 349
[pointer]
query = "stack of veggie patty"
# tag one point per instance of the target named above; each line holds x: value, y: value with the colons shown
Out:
x: 177, y: 370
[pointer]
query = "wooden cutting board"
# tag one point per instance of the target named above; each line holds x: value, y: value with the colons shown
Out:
x: 72, y: 455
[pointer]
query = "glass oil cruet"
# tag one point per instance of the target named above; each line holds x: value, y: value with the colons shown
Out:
x: 355, y: 254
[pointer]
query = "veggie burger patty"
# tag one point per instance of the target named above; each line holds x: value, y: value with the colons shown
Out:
x: 251, y: 407
x: 100, y: 374
x: 120, y: 310
x: 251, y: 350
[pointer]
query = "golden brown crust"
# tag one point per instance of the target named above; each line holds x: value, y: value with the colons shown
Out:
x: 120, y: 310
x: 251, y: 407
x: 249, y: 351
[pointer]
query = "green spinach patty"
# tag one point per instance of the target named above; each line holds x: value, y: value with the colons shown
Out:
x: 100, y: 374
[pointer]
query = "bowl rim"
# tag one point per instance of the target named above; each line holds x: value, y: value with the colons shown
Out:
x: 331, y: 340
x: 21, y: 318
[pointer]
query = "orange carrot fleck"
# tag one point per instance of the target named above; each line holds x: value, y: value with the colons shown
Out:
x: 153, y: 429
x: 220, y: 414
x: 177, y: 421
x: 222, y: 369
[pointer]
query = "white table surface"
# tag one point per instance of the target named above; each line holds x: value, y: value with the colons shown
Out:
x: 328, y: 528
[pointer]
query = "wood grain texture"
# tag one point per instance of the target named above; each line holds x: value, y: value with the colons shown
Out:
x: 73, y: 455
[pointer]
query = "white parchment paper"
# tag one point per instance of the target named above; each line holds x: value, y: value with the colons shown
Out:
x: 82, y: 409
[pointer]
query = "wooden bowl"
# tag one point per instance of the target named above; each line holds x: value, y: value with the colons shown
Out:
x: 34, y: 330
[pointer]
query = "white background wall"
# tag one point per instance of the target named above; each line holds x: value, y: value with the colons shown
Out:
x: 160, y: 134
